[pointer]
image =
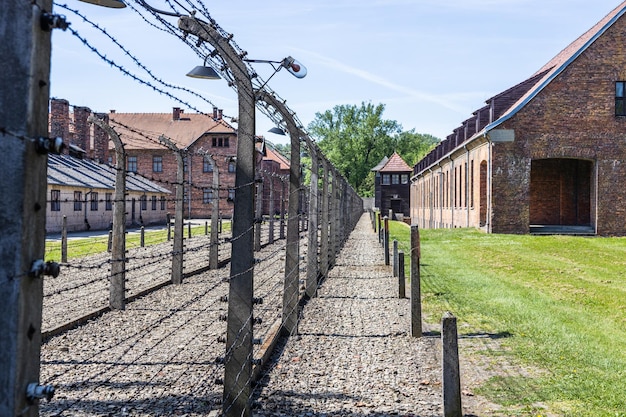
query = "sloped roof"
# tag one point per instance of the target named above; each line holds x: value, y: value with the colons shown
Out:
x: 274, y: 155
x: 85, y: 173
x: 142, y: 130
x: 396, y: 164
x: 560, y: 62
x: 380, y: 164
x: 507, y: 103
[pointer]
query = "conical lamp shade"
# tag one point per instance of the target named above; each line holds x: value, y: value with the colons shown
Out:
x: 277, y: 131
x: 114, y: 4
x: 201, y: 71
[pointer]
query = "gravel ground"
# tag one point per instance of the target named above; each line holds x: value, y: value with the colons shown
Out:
x: 158, y: 357
x: 353, y: 354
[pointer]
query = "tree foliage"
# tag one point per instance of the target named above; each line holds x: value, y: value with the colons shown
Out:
x: 356, y: 138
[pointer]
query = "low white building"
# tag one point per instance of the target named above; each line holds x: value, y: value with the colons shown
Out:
x: 83, y: 191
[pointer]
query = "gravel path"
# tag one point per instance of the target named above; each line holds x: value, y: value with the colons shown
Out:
x: 354, y: 354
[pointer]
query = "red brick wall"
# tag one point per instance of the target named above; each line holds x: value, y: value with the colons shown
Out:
x: 573, y: 117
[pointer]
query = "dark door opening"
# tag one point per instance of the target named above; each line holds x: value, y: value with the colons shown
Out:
x: 560, y: 192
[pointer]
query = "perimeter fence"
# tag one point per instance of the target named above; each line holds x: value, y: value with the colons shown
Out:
x: 140, y: 356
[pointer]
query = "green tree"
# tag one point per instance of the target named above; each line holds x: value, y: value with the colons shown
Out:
x: 355, y: 139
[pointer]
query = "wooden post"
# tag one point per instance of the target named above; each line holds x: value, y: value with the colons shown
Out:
x: 24, y: 88
x: 64, y: 240
x: 386, y: 239
x: 189, y: 229
x: 401, y: 277
x: 206, y: 228
x: 416, y: 296
x: 395, y: 257
x: 451, y: 372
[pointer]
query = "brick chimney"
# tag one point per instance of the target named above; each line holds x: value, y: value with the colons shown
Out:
x: 60, y: 118
x: 176, y: 113
x: 101, y: 141
x: 82, y: 131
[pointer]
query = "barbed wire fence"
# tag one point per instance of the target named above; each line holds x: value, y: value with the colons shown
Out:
x: 143, y: 357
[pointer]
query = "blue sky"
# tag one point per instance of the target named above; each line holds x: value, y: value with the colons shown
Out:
x: 430, y: 62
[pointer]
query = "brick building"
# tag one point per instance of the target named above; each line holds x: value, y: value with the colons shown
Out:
x: 547, y: 155
x: 200, y: 137
x: 274, y: 171
x: 391, y: 185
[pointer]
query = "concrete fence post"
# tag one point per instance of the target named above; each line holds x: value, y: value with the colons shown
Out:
x: 64, y: 240
x: 401, y: 277
x: 416, y: 296
x: 142, y: 237
x: 451, y: 372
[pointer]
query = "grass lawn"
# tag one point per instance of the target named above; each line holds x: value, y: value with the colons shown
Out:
x: 558, y: 301
x: 77, y: 248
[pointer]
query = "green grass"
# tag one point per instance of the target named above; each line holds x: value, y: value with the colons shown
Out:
x: 78, y: 248
x: 561, y: 302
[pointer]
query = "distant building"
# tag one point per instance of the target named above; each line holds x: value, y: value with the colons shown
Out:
x: 83, y: 190
x: 391, y: 185
x: 544, y: 156
x: 197, y: 135
x: 274, y: 171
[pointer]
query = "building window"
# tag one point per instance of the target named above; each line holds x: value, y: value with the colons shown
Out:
x: 55, y: 200
x: 207, y: 196
x: 231, y: 166
x: 94, y: 201
x: 157, y: 163
x: 620, y: 98
x: 395, y: 179
x: 207, y: 165
x: 231, y: 194
x: 404, y: 178
x: 162, y: 202
x: 132, y: 164
x: 220, y: 142
x: 108, y: 201
x: 154, y: 202
x: 386, y: 179
x: 143, y: 200
x: 78, y: 200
